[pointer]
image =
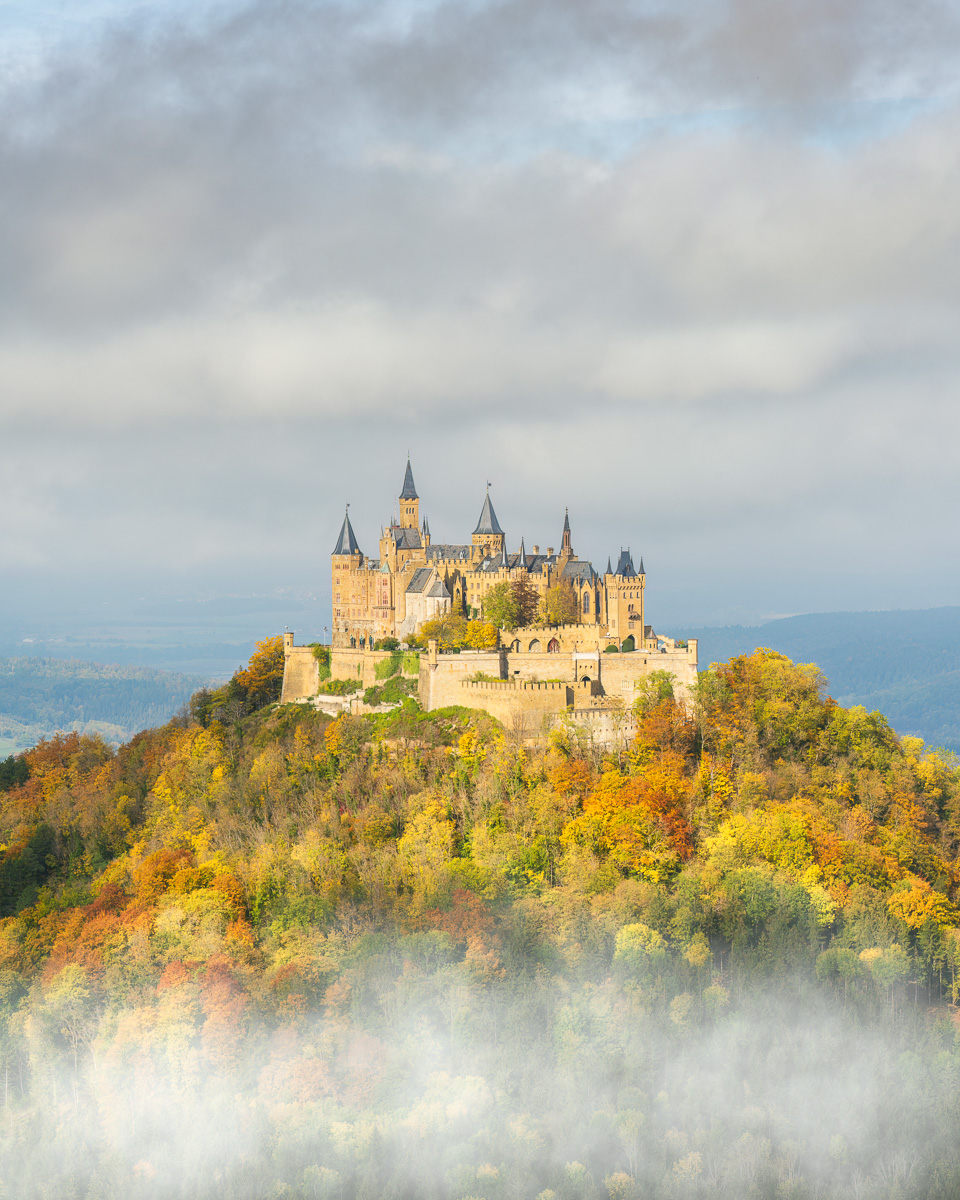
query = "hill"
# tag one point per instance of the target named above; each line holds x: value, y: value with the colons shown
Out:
x: 904, y: 663
x: 267, y: 953
x: 40, y: 696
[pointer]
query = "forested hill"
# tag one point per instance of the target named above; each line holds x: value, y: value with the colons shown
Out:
x: 905, y: 663
x: 261, y: 953
x: 39, y: 696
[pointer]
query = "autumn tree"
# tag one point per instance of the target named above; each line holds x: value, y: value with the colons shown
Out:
x: 262, y: 678
x: 560, y: 605
x: 526, y: 599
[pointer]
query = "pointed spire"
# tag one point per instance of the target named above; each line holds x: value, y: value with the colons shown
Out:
x: 426, y: 527
x: 609, y: 566
x: 409, y: 491
x: 523, y: 555
x: 566, y: 548
x: 488, y: 522
x: 347, y: 542
x: 641, y: 571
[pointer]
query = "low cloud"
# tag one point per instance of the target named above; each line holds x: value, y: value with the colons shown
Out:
x: 553, y: 239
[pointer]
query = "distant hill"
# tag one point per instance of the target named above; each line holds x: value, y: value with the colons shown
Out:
x: 39, y: 696
x: 906, y: 663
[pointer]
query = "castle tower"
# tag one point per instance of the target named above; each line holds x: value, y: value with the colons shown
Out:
x: 409, y: 501
x: 625, y: 600
x: 488, y: 537
x: 346, y: 583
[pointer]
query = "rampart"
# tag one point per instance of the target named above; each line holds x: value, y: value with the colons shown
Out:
x: 524, y: 689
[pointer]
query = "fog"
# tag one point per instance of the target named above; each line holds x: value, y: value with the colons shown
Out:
x: 430, y: 1081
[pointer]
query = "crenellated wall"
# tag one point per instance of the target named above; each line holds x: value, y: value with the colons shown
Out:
x: 522, y: 689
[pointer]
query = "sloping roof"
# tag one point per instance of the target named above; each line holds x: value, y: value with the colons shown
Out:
x: 488, y: 522
x: 405, y: 539
x: 439, y: 591
x: 409, y: 491
x: 449, y: 552
x: 421, y: 577
x: 641, y: 571
x: 578, y: 568
x: 346, y: 543
x: 625, y: 565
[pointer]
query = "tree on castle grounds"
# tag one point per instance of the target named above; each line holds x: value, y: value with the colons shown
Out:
x: 500, y: 607
x: 526, y: 599
x: 560, y: 605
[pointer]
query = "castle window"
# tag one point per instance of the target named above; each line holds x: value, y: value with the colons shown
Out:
x: 553, y: 646
x: 586, y: 602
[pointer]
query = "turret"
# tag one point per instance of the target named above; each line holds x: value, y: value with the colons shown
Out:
x: 409, y: 501
x: 488, y: 536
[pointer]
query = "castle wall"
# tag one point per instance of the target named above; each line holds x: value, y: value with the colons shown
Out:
x: 442, y: 674
x: 301, y: 673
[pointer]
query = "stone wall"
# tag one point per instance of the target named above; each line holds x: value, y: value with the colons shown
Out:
x: 301, y: 673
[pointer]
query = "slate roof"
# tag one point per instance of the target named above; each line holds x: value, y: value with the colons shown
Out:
x: 439, y: 591
x: 578, y: 568
x: 405, y: 539
x: 409, y: 491
x: 488, y: 522
x: 449, y: 551
x: 420, y: 578
x: 347, y: 543
x: 625, y: 565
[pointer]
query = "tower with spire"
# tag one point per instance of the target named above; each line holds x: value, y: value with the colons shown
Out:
x: 390, y: 596
x: 488, y: 538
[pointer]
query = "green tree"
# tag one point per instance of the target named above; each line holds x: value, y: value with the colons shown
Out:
x: 500, y: 607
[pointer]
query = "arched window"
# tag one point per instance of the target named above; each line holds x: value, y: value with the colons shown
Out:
x: 553, y: 646
x: 534, y: 645
x: 515, y: 646
x: 586, y: 602
x: 584, y: 678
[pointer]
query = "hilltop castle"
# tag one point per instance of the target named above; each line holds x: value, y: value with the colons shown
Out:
x: 587, y: 668
x: 414, y: 579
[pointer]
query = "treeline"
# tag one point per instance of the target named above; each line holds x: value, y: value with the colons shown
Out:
x: 906, y: 663
x: 39, y: 696
x: 275, y: 954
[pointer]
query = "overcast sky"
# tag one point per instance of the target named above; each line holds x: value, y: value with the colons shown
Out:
x: 691, y: 270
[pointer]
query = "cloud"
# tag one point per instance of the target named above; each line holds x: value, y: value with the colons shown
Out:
x: 715, y: 251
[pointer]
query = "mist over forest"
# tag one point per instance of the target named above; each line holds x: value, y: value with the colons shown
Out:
x: 261, y: 952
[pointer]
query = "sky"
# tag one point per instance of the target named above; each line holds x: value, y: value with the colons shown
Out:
x: 692, y: 271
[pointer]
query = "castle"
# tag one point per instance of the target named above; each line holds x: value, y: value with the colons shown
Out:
x: 588, y: 666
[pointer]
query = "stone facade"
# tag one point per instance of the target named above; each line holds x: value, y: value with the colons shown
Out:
x: 414, y: 578
x: 585, y: 673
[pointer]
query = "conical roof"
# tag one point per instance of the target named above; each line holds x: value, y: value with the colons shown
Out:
x: 346, y: 543
x: 488, y: 522
x: 609, y: 566
x: 641, y: 571
x: 409, y: 490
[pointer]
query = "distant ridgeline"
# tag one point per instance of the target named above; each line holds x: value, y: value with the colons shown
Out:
x: 39, y: 696
x: 906, y: 664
